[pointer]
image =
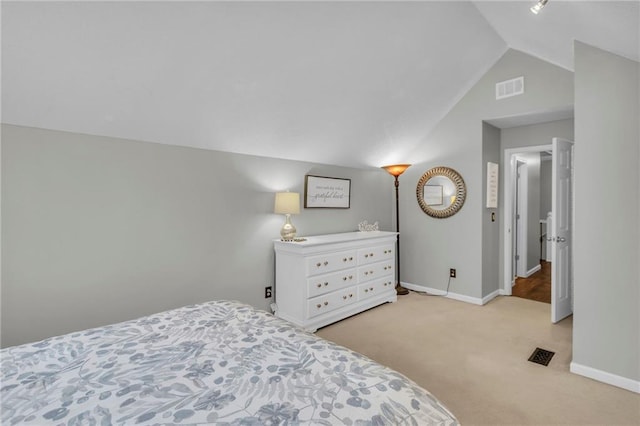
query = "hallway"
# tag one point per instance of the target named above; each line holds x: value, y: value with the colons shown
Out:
x: 537, y: 287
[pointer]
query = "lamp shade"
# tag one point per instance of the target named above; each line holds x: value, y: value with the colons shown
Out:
x: 396, y: 169
x: 287, y: 203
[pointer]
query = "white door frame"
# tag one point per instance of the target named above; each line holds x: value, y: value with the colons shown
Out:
x: 508, y: 207
x: 521, y: 224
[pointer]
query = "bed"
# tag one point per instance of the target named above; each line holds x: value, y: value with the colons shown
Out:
x: 220, y: 362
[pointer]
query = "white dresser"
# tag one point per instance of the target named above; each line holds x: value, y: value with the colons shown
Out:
x: 330, y: 277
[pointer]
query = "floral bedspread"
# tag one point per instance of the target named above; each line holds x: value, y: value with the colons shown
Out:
x: 215, y: 363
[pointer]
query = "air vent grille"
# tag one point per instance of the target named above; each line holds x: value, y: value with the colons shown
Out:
x: 541, y: 356
x: 508, y: 88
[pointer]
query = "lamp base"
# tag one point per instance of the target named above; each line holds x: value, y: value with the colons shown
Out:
x: 288, y: 231
x: 401, y: 291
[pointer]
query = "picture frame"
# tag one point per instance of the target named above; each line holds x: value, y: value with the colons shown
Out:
x: 433, y: 195
x: 321, y: 192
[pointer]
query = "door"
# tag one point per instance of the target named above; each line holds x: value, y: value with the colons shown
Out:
x: 561, y: 229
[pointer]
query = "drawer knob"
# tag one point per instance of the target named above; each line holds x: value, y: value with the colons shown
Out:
x: 344, y: 259
x: 326, y: 303
x: 351, y: 295
x: 371, y: 288
x: 350, y: 277
x: 366, y: 255
x: 326, y: 263
x: 366, y: 290
x: 344, y: 278
x: 371, y: 272
x: 326, y: 284
x: 318, y: 306
x: 366, y: 273
x: 318, y: 285
x: 350, y: 258
x: 371, y: 254
x: 318, y: 264
x: 344, y: 297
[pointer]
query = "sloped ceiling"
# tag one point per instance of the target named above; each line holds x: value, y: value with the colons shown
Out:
x: 348, y: 83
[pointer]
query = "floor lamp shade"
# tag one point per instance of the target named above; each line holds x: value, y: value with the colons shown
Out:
x: 396, y: 170
x: 287, y: 203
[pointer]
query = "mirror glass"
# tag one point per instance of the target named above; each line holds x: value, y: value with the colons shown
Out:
x: 441, y: 192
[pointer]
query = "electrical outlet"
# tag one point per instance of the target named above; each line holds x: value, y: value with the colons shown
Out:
x: 452, y: 272
x: 267, y: 292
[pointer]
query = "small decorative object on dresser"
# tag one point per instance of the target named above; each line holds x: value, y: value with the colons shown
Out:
x: 330, y: 277
x: 365, y: 226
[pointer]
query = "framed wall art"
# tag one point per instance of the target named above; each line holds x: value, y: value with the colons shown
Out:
x: 326, y: 192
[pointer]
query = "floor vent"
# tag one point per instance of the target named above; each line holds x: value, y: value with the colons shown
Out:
x: 541, y: 356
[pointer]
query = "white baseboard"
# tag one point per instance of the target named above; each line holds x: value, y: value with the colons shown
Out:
x: 454, y: 296
x: 489, y: 297
x: 604, y: 377
x: 533, y: 270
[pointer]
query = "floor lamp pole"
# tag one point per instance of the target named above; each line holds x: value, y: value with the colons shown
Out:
x: 396, y: 170
x: 399, y: 289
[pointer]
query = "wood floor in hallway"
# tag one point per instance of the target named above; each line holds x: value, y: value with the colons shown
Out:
x: 537, y: 286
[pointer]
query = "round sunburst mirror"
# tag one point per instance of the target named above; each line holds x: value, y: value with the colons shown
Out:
x: 441, y: 192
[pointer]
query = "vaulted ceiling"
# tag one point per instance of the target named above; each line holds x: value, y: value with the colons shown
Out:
x: 346, y: 83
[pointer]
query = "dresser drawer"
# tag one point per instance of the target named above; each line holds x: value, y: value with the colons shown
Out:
x: 374, y: 288
x: 331, y: 262
x: 375, y: 254
x: 375, y: 270
x: 321, y: 284
x: 331, y: 301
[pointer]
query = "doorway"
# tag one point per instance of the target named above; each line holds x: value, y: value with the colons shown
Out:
x: 561, y: 295
x: 532, y: 273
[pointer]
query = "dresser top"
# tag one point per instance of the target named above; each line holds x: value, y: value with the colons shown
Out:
x: 317, y: 240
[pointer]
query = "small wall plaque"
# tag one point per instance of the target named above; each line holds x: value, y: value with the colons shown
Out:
x: 326, y: 192
x: 492, y: 185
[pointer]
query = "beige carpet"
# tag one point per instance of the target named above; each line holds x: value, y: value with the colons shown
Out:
x: 475, y: 360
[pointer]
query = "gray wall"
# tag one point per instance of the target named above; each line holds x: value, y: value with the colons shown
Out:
x: 545, y: 194
x: 533, y: 207
x: 431, y: 246
x: 490, y: 230
x: 536, y: 134
x: 545, y: 185
x: 606, y: 326
x: 98, y: 230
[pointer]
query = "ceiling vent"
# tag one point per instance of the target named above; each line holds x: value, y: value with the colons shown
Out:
x: 508, y: 88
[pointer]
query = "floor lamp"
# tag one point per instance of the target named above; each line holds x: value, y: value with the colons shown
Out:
x: 396, y: 170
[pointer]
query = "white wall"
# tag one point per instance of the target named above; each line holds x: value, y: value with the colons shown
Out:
x: 431, y: 246
x: 98, y: 230
x: 606, y: 327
